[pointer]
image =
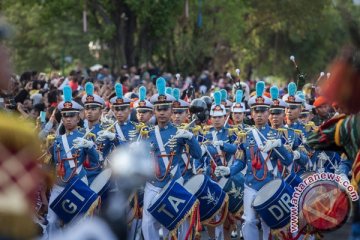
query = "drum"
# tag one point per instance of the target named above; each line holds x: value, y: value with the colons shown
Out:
x: 293, y: 180
x: 101, y: 183
x: 273, y: 203
x: 76, y: 199
x: 234, y: 187
x: 173, y: 204
x: 306, y: 174
x: 209, y: 193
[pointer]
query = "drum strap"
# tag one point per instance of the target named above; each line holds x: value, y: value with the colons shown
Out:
x: 67, y: 150
x: 120, y: 132
x: 163, y: 151
x: 264, y: 155
x: 214, y: 136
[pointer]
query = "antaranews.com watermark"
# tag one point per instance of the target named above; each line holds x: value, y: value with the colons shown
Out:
x: 316, y: 177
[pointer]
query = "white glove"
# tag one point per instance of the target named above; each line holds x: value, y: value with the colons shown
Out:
x: 221, y: 171
x: 296, y: 155
x: 82, y: 143
x: 218, y: 143
x: 270, y: 144
x: 344, y: 177
x: 182, y: 133
x: 104, y: 134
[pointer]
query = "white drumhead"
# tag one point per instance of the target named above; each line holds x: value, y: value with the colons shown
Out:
x: 101, y: 180
x: 267, y: 191
x: 222, y: 182
x: 194, y: 183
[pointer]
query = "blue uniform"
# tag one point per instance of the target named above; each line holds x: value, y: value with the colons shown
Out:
x: 227, y: 151
x: 293, y: 139
x: 257, y: 175
x: 173, y: 152
x: 74, y: 164
x: 95, y: 168
x: 123, y: 133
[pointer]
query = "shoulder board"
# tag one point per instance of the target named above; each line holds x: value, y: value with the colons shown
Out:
x: 298, y: 131
x: 282, y: 130
x: 81, y: 130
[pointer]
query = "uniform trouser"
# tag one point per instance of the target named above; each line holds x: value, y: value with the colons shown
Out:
x: 54, y: 222
x: 149, y: 225
x: 250, y: 229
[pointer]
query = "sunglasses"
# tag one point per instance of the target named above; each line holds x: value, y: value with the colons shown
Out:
x: 120, y: 108
x: 303, y: 115
x: 68, y: 114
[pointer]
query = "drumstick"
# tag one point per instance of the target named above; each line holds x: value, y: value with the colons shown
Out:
x: 186, y: 127
x: 87, y: 133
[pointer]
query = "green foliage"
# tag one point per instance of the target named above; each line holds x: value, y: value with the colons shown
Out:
x: 246, y: 34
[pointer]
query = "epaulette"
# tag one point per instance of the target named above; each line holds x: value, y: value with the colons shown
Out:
x: 298, y: 131
x: 144, y: 131
x: 310, y: 126
x: 282, y: 130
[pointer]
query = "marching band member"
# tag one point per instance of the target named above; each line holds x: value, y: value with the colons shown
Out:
x: 93, y: 105
x: 262, y: 143
x: 144, y: 109
x: 125, y: 130
x: 68, y: 154
x: 238, y: 111
x: 220, y: 146
x: 167, y: 144
x: 291, y: 138
x: 179, y: 117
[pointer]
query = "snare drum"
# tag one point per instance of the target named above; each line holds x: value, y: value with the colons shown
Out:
x: 76, y: 199
x: 173, y: 204
x: 306, y: 174
x: 210, y: 195
x: 273, y: 203
x: 234, y: 187
x: 101, y: 183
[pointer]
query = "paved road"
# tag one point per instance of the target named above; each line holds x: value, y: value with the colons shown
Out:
x: 340, y: 234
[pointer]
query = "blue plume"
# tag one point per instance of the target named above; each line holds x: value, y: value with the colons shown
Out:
x: 67, y: 93
x: 274, y: 92
x: 118, y: 90
x: 239, y: 96
x: 160, y: 85
x: 217, y: 98
x: 142, y: 93
x: 89, y: 88
x: 168, y: 90
x: 176, y: 94
x: 292, y: 89
x: 300, y: 94
x: 223, y: 95
x: 260, y: 88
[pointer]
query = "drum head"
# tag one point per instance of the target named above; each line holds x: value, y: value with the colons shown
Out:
x: 101, y: 180
x: 194, y: 183
x: 160, y: 193
x: 267, y: 191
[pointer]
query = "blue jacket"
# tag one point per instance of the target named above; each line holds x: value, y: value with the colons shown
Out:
x: 246, y: 156
x: 80, y: 155
x: 173, y: 150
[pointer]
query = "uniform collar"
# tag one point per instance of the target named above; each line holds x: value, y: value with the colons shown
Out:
x: 168, y: 125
